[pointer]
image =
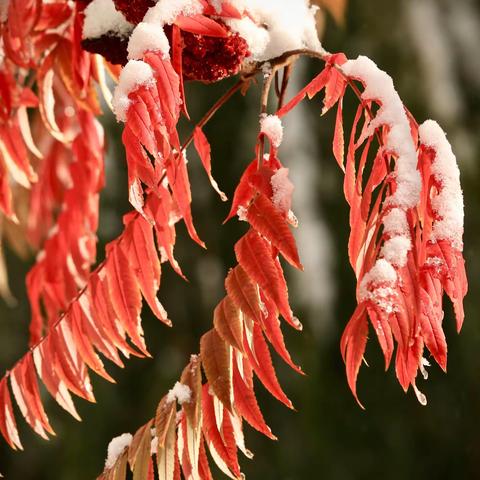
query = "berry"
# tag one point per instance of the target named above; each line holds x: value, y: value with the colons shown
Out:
x: 134, y: 10
x: 210, y: 59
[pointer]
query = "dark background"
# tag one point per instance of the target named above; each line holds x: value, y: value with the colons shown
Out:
x: 429, y: 48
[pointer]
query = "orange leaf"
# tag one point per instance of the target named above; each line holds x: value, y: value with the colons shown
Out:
x: 261, y: 362
x: 255, y: 257
x: 269, y: 222
x: 216, y: 361
x: 352, y: 345
x: 125, y: 295
x: 227, y: 321
x: 245, y: 400
x: 8, y: 426
x: 141, y: 251
x: 243, y: 292
x: 26, y: 393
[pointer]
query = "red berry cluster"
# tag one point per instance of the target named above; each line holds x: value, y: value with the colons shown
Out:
x: 205, y: 59
x: 134, y: 10
x: 210, y: 59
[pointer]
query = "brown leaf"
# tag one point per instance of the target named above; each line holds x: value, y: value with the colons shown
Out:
x: 216, y: 361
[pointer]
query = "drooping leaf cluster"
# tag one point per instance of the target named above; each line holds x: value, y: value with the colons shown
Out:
x: 400, y: 181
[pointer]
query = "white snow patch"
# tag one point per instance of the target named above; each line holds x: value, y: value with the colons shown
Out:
x: 116, y: 447
x: 282, y: 189
x: 101, y: 18
x: 154, y: 446
x: 382, y: 275
x: 179, y: 392
x: 271, y: 126
x: 396, y: 249
x: 448, y: 204
x: 166, y: 11
x: 273, y: 27
x: 242, y: 213
x: 135, y: 74
x: 379, y: 87
x: 147, y: 37
x: 395, y: 222
x: 217, y: 5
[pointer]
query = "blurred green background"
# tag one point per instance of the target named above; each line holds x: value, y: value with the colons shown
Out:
x: 430, y: 48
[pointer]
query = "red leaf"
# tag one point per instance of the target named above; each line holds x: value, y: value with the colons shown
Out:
x: 180, y: 185
x: 228, y: 322
x: 244, y: 293
x: 68, y: 363
x: 203, y: 466
x: 8, y: 426
x: 338, y: 137
x: 25, y: 390
x: 334, y: 90
x: 201, y: 25
x: 212, y: 434
x: 55, y: 386
x: 261, y: 362
x: 162, y: 210
x: 352, y: 345
x: 244, y: 191
x: 271, y: 327
x: 216, y: 361
x: 431, y: 316
x: 269, y: 222
x: 85, y: 348
x: 379, y: 320
x: 315, y: 86
x: 102, y: 310
x: 141, y: 251
x: 168, y: 86
x: 177, y: 54
x: 245, y: 400
x: 95, y: 331
x: 203, y: 148
x: 255, y: 257
x: 125, y: 295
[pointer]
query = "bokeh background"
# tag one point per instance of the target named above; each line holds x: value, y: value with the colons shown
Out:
x: 430, y: 47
